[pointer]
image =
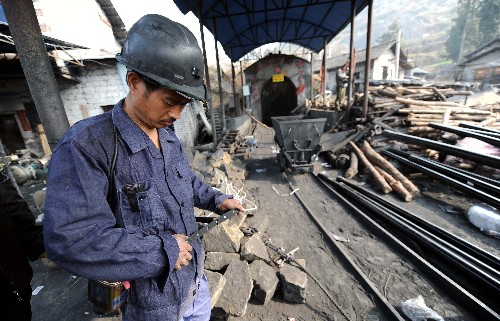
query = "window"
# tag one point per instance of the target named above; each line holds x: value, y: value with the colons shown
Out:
x: 480, y: 74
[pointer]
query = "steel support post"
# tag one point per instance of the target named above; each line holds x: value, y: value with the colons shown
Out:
x: 351, y: 65
x: 367, y: 58
x: 243, y: 97
x: 323, y: 65
x: 236, y: 105
x: 219, y: 77
x: 207, y: 77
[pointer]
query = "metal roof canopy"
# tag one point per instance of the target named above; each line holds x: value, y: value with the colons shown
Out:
x: 244, y: 25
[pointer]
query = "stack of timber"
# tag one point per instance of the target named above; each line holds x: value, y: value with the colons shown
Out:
x: 419, y: 106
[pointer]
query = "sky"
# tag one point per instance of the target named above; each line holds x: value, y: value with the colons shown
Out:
x: 130, y: 11
x: 81, y: 23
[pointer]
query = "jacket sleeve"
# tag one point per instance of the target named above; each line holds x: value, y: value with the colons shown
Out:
x: 80, y: 228
x: 205, y: 197
x: 29, y: 234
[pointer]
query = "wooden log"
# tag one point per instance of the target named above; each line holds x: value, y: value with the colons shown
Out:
x: 488, y: 121
x: 379, y: 180
x: 440, y: 96
x: 422, y: 129
x: 43, y: 140
x: 386, y: 165
x: 385, y: 104
x: 432, y: 154
x: 454, y: 111
x: 429, y: 135
x: 388, y: 93
x: 406, y: 91
x: 446, y: 116
x: 459, y: 93
x: 353, y: 167
x: 425, y: 116
x: 426, y: 123
x: 426, y: 103
x: 429, y: 96
x: 396, y: 185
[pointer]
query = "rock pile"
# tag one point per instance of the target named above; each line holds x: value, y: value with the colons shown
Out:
x: 239, y: 266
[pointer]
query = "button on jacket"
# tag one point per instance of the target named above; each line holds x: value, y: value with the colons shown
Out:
x: 130, y: 238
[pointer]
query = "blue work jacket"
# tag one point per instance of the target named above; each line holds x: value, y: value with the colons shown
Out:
x: 129, y: 238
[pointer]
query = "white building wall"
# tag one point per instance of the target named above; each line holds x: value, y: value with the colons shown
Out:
x: 388, y: 60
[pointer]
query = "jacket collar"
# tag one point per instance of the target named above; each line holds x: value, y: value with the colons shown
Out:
x: 132, y: 134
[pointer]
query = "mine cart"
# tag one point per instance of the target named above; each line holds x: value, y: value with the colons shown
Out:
x: 298, y: 138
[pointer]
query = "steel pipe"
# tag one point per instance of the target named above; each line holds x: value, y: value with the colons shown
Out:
x: 469, y: 180
x: 465, y: 125
x: 483, y: 273
x: 489, y: 160
x: 453, y: 288
x: 487, y: 198
x: 460, y: 243
x: 484, y: 132
x: 466, y: 133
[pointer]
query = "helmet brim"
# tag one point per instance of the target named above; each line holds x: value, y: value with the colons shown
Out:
x: 199, y: 93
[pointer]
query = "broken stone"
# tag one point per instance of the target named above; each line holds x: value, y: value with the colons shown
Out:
x: 199, y: 161
x: 223, y: 238
x: 217, y: 261
x: 293, y: 282
x: 238, y: 219
x: 259, y: 221
x: 232, y: 173
x: 238, y: 289
x: 265, y: 281
x: 215, y: 163
x: 216, y: 178
x: 216, y: 282
x: 199, y: 175
x: 217, y: 155
x: 254, y: 249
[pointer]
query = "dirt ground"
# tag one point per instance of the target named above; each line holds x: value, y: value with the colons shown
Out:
x: 64, y: 295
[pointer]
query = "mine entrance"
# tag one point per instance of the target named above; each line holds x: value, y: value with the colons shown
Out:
x: 277, y: 99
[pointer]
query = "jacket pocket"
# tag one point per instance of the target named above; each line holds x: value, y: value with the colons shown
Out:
x: 140, y: 205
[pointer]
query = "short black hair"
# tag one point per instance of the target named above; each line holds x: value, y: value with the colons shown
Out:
x: 151, y: 85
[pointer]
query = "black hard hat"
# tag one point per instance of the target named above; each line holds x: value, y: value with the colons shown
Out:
x: 168, y: 53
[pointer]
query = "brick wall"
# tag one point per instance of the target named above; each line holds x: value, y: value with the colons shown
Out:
x: 100, y: 85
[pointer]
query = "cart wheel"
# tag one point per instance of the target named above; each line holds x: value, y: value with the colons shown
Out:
x: 281, y: 162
